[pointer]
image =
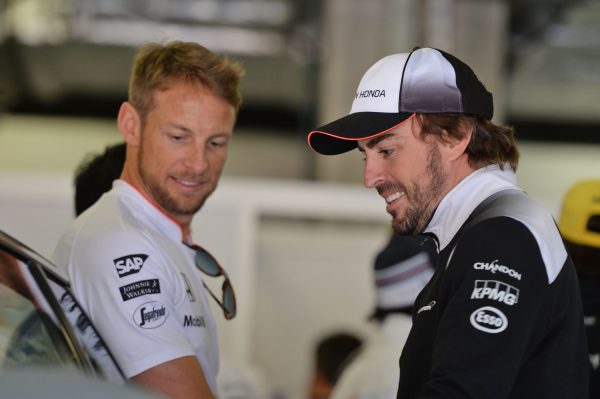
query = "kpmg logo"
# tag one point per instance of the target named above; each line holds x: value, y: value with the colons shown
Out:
x: 139, y: 288
x: 130, y: 264
x: 150, y: 315
x: 496, y: 291
x: 369, y: 93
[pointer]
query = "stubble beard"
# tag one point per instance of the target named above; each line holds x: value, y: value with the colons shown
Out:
x: 422, y: 201
x: 162, y: 197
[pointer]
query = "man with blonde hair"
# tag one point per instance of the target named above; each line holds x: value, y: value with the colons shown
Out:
x: 130, y: 256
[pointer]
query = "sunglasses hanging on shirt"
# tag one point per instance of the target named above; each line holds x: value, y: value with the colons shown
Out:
x: 207, y: 264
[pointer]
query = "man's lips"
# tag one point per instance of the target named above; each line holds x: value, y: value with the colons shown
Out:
x: 189, y: 184
x: 392, y: 197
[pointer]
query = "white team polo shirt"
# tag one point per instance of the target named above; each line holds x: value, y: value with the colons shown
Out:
x: 138, y: 283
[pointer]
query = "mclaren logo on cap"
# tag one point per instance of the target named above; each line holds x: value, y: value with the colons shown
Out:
x: 370, y: 93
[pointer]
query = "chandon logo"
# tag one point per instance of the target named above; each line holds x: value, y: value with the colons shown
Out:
x: 494, y: 267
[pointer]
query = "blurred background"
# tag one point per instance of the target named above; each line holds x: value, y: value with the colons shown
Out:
x: 297, y: 231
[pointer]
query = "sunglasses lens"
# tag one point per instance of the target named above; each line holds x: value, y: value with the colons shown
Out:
x: 206, y: 263
x: 229, y: 299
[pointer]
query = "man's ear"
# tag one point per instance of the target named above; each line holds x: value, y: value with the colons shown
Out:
x: 456, y: 147
x: 129, y: 124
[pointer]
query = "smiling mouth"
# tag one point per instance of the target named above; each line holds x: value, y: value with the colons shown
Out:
x: 189, y: 183
x: 391, y: 198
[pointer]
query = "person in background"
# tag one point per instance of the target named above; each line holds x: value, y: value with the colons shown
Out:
x: 501, y: 316
x: 332, y: 353
x: 579, y: 224
x: 402, y: 268
x: 130, y: 257
x: 95, y: 175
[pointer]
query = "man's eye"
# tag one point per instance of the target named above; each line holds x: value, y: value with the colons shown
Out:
x: 386, y: 152
x: 176, y: 137
x: 217, y: 143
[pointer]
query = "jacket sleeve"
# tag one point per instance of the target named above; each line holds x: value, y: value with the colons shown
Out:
x: 495, y: 299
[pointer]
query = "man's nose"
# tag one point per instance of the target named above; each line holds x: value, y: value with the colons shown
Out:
x: 196, y: 158
x: 372, y: 174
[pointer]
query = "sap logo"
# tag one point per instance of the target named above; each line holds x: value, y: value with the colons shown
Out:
x: 496, y: 291
x: 150, y: 315
x: 369, y: 93
x: 130, y: 264
x: 495, y: 267
x: 193, y: 321
x: 489, y: 319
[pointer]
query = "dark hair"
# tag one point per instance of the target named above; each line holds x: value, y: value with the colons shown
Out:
x: 490, y: 144
x: 333, y: 353
x: 156, y: 65
x: 95, y: 175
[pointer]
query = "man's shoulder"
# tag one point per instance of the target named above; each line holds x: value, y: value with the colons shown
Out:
x: 516, y: 223
x: 107, y: 227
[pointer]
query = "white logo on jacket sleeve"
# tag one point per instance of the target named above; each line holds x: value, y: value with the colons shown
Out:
x: 494, y: 267
x: 496, y: 291
x: 150, y: 315
x: 427, y: 307
x: 489, y: 319
x: 130, y: 264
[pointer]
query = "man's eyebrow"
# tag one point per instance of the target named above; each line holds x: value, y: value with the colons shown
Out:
x: 377, y: 139
x: 179, y: 127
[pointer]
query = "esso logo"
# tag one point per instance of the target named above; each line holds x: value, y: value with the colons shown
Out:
x: 489, y: 319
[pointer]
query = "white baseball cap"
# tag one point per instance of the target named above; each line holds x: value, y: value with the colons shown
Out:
x: 396, y: 87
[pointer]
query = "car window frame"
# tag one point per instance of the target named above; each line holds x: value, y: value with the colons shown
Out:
x: 41, y: 274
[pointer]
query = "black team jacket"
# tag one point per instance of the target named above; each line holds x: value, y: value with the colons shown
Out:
x: 502, y: 315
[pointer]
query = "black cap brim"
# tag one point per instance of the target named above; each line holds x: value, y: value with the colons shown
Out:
x: 341, y: 135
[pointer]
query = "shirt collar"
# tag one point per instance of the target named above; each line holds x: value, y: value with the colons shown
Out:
x: 461, y: 201
x: 147, y: 211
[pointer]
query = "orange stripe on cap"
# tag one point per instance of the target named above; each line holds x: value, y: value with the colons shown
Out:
x: 354, y: 139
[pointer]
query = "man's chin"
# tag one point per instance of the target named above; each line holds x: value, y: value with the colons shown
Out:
x: 398, y: 226
x: 188, y: 209
x: 402, y: 227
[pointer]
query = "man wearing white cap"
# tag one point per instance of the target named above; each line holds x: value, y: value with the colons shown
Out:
x: 402, y: 268
x: 502, y: 316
